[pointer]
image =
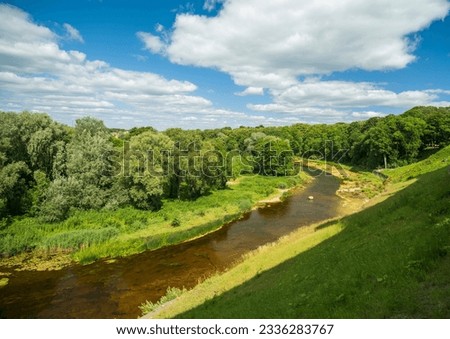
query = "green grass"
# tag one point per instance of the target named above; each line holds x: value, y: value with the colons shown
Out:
x: 3, y: 282
x: 435, y: 161
x: 171, y: 294
x: 391, y: 260
x: 91, y: 235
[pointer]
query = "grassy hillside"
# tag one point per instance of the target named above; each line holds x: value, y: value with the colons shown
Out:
x: 433, y: 162
x: 389, y: 261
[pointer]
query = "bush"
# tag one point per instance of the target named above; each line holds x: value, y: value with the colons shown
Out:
x: 282, y: 185
x: 245, y: 205
x: 175, y: 222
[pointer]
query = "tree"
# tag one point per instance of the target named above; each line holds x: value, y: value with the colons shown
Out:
x: 147, y: 172
x: 273, y: 156
x: 62, y: 195
x: 14, y: 185
x: 408, y: 137
x: 38, y: 191
x: 83, y: 171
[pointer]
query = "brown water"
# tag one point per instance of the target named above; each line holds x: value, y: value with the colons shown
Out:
x: 115, y: 290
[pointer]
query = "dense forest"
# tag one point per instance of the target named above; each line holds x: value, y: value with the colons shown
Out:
x: 48, y: 170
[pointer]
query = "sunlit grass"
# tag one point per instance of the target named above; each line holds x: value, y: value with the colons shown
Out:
x: 252, y: 266
x: 90, y: 235
x: 389, y: 261
x: 435, y: 161
x: 3, y: 282
x: 171, y: 294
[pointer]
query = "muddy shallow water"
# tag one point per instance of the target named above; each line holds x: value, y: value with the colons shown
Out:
x: 115, y: 290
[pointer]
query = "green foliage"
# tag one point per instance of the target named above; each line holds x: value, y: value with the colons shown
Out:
x: 437, y: 129
x: 282, y: 185
x: 56, y: 172
x: 175, y: 222
x: 14, y: 199
x: 94, y: 234
x: 30, y: 138
x: 146, y: 171
x: 20, y: 236
x: 90, y: 127
x: 197, y: 168
x: 245, y: 205
x: 273, y: 156
x: 69, y: 193
x: 38, y: 191
x: 78, y: 239
x: 171, y: 294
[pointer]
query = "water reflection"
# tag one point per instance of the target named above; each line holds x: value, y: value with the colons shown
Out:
x: 114, y: 290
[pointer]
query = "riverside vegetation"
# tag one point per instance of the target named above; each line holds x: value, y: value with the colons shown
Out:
x: 94, y: 234
x: 94, y: 192
x: 391, y: 260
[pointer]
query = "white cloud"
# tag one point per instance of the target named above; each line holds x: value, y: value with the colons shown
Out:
x: 37, y: 75
x: 348, y: 94
x: 367, y: 115
x: 335, y: 98
x: 17, y: 23
x: 251, y: 91
x: 263, y: 43
x: 210, y: 5
x: 73, y: 33
x: 151, y: 42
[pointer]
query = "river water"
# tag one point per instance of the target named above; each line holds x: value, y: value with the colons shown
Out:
x: 115, y: 290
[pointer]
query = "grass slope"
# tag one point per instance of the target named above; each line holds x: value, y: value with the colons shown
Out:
x: 389, y: 261
x: 433, y: 162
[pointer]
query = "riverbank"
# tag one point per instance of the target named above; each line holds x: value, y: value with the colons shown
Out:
x: 134, y: 231
x: 389, y: 260
x: 353, y: 193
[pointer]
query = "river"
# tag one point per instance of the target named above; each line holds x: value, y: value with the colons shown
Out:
x: 115, y: 290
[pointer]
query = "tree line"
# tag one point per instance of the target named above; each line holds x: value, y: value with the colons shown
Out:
x: 48, y: 169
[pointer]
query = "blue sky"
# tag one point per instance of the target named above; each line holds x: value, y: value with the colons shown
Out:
x: 215, y: 63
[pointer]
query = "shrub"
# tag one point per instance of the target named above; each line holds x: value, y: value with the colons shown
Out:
x: 245, y: 205
x: 175, y: 222
x: 282, y: 185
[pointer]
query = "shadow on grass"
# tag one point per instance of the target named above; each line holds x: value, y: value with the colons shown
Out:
x: 389, y: 261
x: 325, y: 225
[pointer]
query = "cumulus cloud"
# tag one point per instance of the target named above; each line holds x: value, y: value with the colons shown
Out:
x: 271, y: 43
x: 16, y: 23
x: 260, y: 44
x: 151, y: 42
x: 37, y: 75
x: 274, y: 44
x: 251, y: 91
x: 348, y: 94
x: 73, y: 33
x: 335, y: 98
x: 210, y: 5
